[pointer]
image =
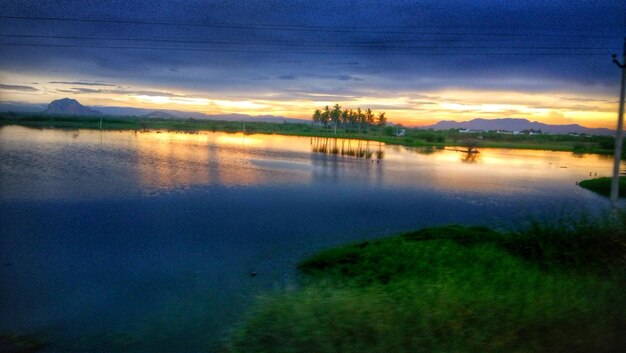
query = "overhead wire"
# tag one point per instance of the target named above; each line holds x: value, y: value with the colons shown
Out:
x: 297, y: 52
x: 348, y: 47
x: 296, y: 28
x: 381, y: 45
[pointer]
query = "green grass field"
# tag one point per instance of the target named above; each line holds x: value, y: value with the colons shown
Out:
x: 555, y: 288
x: 603, y: 185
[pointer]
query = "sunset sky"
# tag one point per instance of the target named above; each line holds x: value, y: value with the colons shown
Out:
x: 420, y: 62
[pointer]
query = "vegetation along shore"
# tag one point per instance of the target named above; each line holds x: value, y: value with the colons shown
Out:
x: 603, y: 185
x: 378, y: 129
x: 548, y: 288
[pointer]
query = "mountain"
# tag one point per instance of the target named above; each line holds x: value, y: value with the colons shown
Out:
x: 177, y: 114
x: 160, y: 114
x: 68, y: 106
x: 511, y: 124
x: 21, y: 107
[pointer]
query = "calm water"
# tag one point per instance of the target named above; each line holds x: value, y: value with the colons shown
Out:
x: 146, y: 241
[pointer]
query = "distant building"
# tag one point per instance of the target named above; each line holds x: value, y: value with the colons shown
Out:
x: 468, y: 131
x: 400, y: 132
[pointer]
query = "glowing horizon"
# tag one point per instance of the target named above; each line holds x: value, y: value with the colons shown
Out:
x: 406, y: 108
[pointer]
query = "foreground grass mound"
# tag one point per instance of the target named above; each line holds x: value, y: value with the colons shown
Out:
x: 454, y: 289
x: 603, y: 185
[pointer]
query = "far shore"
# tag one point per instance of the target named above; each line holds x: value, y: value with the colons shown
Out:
x: 392, y: 135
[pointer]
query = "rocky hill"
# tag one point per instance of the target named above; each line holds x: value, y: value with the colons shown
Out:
x: 68, y: 106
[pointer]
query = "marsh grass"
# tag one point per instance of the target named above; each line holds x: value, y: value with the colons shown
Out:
x: 548, y: 288
x: 602, y: 186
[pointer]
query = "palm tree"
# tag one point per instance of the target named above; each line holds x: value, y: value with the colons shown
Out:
x: 326, y: 116
x: 345, y: 118
x: 369, y: 117
x: 335, y: 115
x: 317, y: 116
x: 351, y: 118
x: 360, y: 117
x: 382, y: 121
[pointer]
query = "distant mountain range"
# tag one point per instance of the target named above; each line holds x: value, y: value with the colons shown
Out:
x: 68, y: 106
x: 512, y: 124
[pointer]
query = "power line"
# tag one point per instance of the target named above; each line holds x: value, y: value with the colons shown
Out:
x: 293, y: 28
x: 300, y: 52
x: 382, y: 45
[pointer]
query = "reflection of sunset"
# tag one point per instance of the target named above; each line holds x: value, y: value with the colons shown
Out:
x: 237, y: 139
x: 177, y: 159
x: 169, y: 160
x: 158, y: 160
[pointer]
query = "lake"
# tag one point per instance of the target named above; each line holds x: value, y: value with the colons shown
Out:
x: 148, y: 241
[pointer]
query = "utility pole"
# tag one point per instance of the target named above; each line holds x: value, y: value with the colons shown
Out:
x: 619, y: 132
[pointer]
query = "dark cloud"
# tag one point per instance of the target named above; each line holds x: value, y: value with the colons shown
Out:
x: 347, y: 78
x: 585, y: 100
x: 82, y: 90
x: 18, y: 88
x: 87, y: 90
x: 83, y: 83
x: 381, y: 47
x: 351, y: 63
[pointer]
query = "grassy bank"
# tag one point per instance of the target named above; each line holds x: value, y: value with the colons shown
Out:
x: 412, y: 138
x: 454, y: 289
x: 603, y: 185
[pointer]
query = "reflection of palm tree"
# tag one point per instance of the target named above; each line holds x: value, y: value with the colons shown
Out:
x: 327, y: 145
x: 380, y: 154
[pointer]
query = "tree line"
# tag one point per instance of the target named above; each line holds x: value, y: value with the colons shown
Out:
x: 348, y: 117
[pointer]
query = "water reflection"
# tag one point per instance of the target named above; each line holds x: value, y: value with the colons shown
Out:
x: 170, y: 160
x: 57, y: 164
x: 348, y: 147
x: 470, y: 157
x: 91, y: 254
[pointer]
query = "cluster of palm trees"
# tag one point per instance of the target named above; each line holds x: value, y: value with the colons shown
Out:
x: 348, y: 117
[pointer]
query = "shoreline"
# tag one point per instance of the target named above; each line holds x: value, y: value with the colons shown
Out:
x: 452, y: 288
x: 413, y: 138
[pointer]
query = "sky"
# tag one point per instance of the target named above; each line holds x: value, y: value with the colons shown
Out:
x: 418, y: 61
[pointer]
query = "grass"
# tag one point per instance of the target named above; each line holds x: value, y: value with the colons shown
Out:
x: 602, y: 186
x: 549, y: 288
x: 19, y: 343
